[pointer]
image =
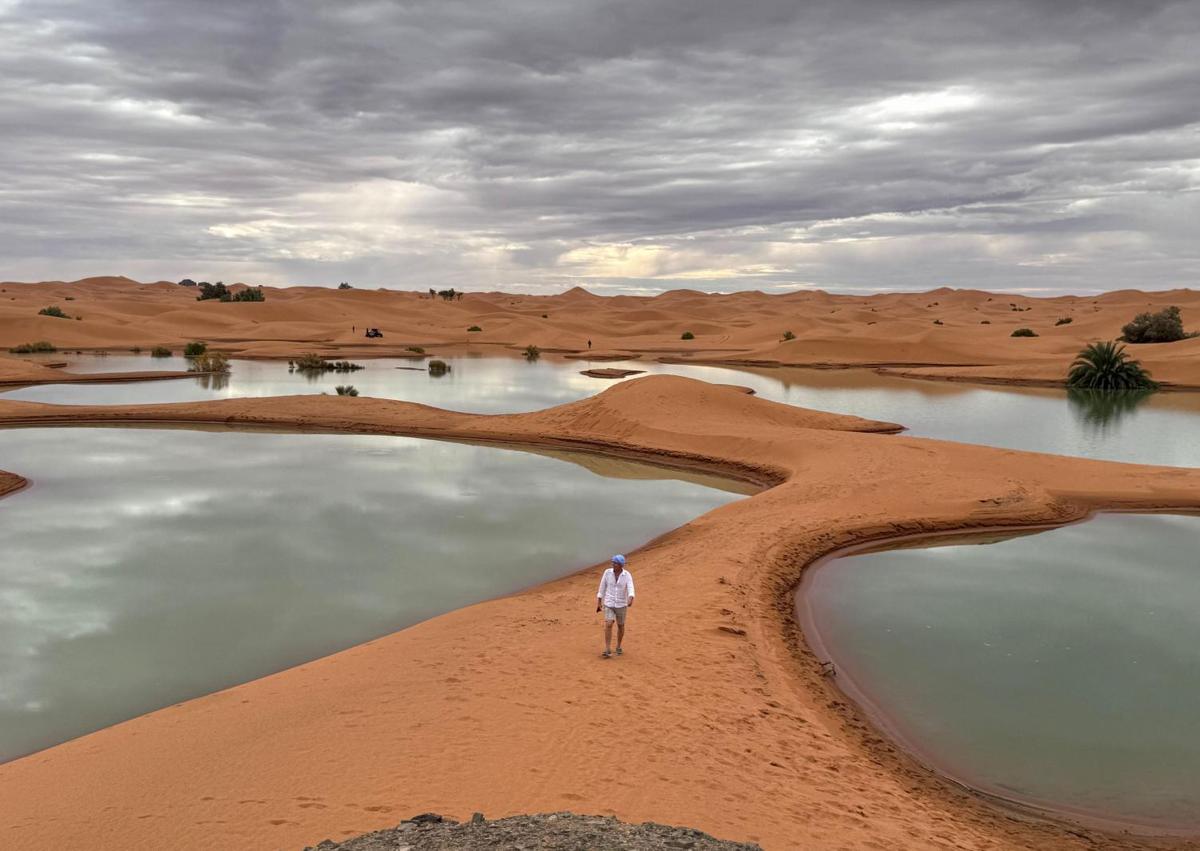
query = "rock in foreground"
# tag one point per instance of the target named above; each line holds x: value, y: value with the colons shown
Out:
x: 558, y: 831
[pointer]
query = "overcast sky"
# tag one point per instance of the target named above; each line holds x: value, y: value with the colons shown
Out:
x: 624, y: 145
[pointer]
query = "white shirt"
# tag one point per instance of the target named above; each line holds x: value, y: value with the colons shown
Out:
x: 616, y: 593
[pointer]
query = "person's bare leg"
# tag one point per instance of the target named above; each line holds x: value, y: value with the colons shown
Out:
x: 620, y: 634
x: 608, y: 637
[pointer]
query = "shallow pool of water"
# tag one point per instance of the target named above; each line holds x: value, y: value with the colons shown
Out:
x: 1060, y: 668
x: 1159, y: 429
x: 144, y: 567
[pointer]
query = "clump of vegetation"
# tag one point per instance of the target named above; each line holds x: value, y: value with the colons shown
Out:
x: 1166, y: 326
x: 53, y: 310
x: 449, y: 295
x: 474, y: 328
x: 1106, y: 366
x: 545, y: 315
x: 1064, y: 320
x: 438, y: 367
x: 248, y: 294
x: 160, y: 352
x: 216, y: 362
x: 532, y: 352
x: 788, y: 335
x: 187, y: 282
x: 137, y: 350
x: 345, y: 285
x: 687, y: 335
x: 210, y: 291
x: 938, y: 322
x: 33, y: 348
x: 417, y: 350
x: 985, y: 322
x: 69, y: 298
x: 195, y: 349
x: 311, y: 362
x: 1024, y: 332
x: 346, y: 390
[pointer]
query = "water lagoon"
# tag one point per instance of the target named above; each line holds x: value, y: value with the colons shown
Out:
x: 1060, y: 669
x: 147, y: 566
x: 1158, y: 429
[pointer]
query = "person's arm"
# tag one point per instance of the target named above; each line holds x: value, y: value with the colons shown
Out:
x: 600, y: 591
x: 630, y: 601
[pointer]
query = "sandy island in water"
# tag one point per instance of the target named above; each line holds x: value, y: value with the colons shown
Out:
x: 725, y: 720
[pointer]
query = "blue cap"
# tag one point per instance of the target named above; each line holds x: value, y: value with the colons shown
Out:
x: 619, y: 559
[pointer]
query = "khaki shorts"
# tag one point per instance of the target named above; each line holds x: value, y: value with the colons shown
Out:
x: 617, y: 614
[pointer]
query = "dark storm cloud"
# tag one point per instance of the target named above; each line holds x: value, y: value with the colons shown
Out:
x: 632, y: 145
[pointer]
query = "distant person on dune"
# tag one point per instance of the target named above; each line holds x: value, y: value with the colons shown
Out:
x: 615, y: 596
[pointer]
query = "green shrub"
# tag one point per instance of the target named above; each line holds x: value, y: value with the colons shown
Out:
x: 195, y: 349
x: 53, y: 310
x: 216, y: 362
x: 211, y: 291
x: 474, y: 328
x: 415, y: 350
x: 1166, y: 326
x: 1065, y: 320
x: 160, y: 352
x: 687, y: 335
x: 438, y: 367
x: 788, y: 335
x: 532, y: 352
x: 310, y: 362
x: 32, y: 348
x: 345, y: 285
x: 346, y: 390
x: 248, y: 294
x: 1023, y: 332
x: 1106, y: 366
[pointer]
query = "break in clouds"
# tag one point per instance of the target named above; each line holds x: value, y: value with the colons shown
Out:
x: 627, y: 146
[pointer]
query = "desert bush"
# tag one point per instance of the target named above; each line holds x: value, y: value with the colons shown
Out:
x: 438, y: 367
x: 532, y: 352
x: 1023, y: 332
x: 415, y: 350
x: 344, y: 285
x: 248, y: 294
x: 687, y: 335
x: 217, y: 362
x: 187, y: 282
x: 346, y: 390
x: 1106, y: 366
x: 53, y: 310
x: 69, y: 298
x: 447, y: 295
x: 985, y: 322
x: 1166, y: 326
x: 788, y: 335
x: 195, y: 349
x: 160, y: 352
x: 1064, y: 320
x: 33, y: 348
x: 938, y: 322
x: 474, y: 328
x: 211, y: 291
x: 137, y: 350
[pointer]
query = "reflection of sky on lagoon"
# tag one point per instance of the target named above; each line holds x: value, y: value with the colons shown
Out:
x: 1061, y: 666
x: 144, y: 566
x: 1159, y: 430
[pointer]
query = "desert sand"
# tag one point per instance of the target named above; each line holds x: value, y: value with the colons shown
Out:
x: 893, y: 331
x: 724, y: 719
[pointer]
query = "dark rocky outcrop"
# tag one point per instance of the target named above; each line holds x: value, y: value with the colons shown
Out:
x: 557, y: 831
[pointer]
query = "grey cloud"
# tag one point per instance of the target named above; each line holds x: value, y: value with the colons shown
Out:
x: 532, y: 144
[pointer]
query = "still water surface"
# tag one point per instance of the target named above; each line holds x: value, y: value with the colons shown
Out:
x: 1160, y: 429
x: 147, y: 566
x: 1060, y: 668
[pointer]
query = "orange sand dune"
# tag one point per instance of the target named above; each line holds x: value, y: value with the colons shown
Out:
x: 717, y: 717
x: 896, y: 329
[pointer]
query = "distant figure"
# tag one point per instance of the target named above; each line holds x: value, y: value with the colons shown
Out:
x: 615, y: 596
x: 589, y: 345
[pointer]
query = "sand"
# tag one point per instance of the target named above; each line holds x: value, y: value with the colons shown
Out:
x: 892, y: 330
x: 718, y: 717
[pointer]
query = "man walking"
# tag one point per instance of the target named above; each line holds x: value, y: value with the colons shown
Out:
x: 615, y: 596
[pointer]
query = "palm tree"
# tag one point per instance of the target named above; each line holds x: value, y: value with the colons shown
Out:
x: 1105, y: 366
